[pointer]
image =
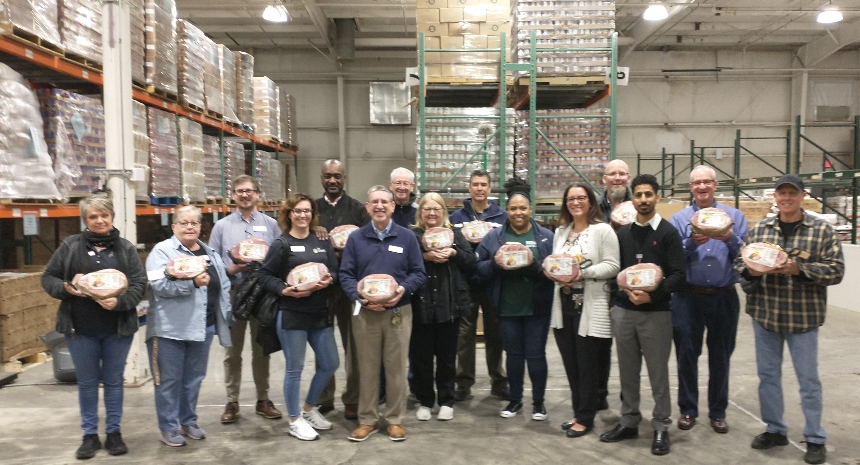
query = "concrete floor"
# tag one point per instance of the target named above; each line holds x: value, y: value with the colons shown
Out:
x: 40, y: 421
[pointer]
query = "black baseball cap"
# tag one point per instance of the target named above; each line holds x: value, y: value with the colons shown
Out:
x: 791, y: 179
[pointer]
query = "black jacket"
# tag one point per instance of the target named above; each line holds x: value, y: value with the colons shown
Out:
x: 347, y: 211
x: 444, y: 295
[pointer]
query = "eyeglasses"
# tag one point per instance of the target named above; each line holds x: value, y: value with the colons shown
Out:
x: 185, y: 224
x: 431, y: 210
x: 245, y: 191
x: 302, y: 211
x: 703, y: 182
x: 577, y: 198
x: 401, y: 183
x: 616, y: 174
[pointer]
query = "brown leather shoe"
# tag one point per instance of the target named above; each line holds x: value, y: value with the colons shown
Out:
x: 362, y: 432
x: 231, y: 412
x: 350, y: 411
x: 686, y: 422
x: 719, y: 425
x: 396, y: 433
x: 267, y: 409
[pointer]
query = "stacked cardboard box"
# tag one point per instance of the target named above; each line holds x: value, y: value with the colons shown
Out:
x: 267, y: 110
x: 26, y: 312
x: 36, y: 17
x: 463, y: 24
x: 81, y: 28
x: 563, y: 24
x: 212, y: 166
x: 191, y: 161
x: 212, y: 78
x: 288, y: 118
x: 585, y: 142
x: 191, y: 50
x: 137, y: 30
x: 228, y: 82
x: 141, y: 148
x: 163, y: 153
x: 244, y: 88
x: 161, y: 45
x: 75, y: 134
x: 450, y: 144
x: 270, y: 173
x: 234, y: 164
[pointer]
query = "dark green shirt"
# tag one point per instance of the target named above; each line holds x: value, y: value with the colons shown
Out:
x: 517, y: 288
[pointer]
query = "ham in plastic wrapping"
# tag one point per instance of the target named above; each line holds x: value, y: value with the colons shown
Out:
x: 101, y: 284
x: 339, y: 234
x: 643, y: 277
x: 763, y: 256
x: 562, y: 267
x: 474, y: 231
x: 623, y: 214
x: 711, y: 222
x: 187, y: 266
x: 377, y: 288
x: 437, y: 238
x: 249, y: 250
x: 306, y: 276
x: 513, y: 255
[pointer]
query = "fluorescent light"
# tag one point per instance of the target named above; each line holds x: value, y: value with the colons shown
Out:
x: 656, y: 12
x: 276, y: 13
x: 829, y: 16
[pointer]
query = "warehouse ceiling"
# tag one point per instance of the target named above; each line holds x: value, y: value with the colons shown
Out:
x: 388, y: 26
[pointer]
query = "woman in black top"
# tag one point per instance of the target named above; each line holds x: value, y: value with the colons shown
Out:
x: 98, y: 332
x: 303, y: 317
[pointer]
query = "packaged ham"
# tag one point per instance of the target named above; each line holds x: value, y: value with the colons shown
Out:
x: 643, y: 277
x: 513, y: 255
x: 763, y: 256
x: 562, y: 267
x: 249, y: 250
x: 623, y: 214
x: 340, y: 234
x: 377, y: 288
x: 711, y: 222
x: 187, y: 266
x: 437, y: 238
x: 474, y: 231
x: 306, y: 276
x: 101, y: 284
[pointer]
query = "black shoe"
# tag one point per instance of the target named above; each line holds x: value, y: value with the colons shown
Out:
x: 115, y: 445
x: 572, y: 433
x: 567, y: 425
x: 815, y: 453
x: 538, y: 412
x: 660, y: 446
x: 502, y: 393
x: 461, y: 394
x: 619, y: 433
x: 767, y: 440
x: 511, y: 410
x: 325, y: 408
x: 89, y: 447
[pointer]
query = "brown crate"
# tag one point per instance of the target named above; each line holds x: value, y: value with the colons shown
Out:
x: 426, y: 16
x: 450, y: 15
x: 20, y: 330
x: 19, y: 289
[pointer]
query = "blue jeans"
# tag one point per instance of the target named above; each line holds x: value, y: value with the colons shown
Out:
x: 803, y: 348
x: 294, y: 342
x: 524, y: 339
x: 99, y: 359
x: 178, y: 368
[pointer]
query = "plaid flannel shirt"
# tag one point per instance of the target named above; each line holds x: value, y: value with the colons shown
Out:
x: 794, y: 304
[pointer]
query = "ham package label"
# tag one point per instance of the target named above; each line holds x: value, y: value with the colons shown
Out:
x: 761, y: 255
x: 253, y: 252
x: 376, y: 287
x: 641, y: 278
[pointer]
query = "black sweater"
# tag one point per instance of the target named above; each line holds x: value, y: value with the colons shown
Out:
x: 347, y: 211
x: 662, y: 247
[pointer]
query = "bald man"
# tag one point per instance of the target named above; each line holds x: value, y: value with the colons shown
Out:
x: 616, y: 176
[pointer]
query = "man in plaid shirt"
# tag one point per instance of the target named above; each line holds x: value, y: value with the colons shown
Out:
x: 787, y: 305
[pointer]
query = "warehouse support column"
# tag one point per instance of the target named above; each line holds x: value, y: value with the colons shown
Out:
x: 341, y: 121
x: 799, y: 96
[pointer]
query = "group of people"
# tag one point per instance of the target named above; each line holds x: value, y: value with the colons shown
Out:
x: 422, y: 340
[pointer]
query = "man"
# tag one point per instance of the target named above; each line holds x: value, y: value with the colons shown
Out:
x: 336, y: 208
x: 244, y: 223
x: 382, y: 331
x: 479, y: 207
x: 709, y: 300
x: 787, y: 305
x: 641, y: 321
x: 616, y: 176
x: 401, y: 183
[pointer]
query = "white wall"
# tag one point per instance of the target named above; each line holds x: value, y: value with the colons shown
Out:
x: 757, y: 92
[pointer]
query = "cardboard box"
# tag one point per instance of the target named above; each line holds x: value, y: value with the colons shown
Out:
x: 427, y: 15
x: 666, y: 210
x: 424, y: 4
x: 434, y: 29
x: 459, y: 29
x: 498, y: 13
x: 495, y: 28
x: 26, y: 312
x: 477, y: 42
x: 455, y: 42
x: 450, y: 15
x: 475, y: 13
x: 495, y: 42
x: 506, y: 4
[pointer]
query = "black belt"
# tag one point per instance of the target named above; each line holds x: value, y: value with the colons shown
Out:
x: 706, y: 290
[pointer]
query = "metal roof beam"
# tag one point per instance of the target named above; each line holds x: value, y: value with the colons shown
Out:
x: 814, y: 52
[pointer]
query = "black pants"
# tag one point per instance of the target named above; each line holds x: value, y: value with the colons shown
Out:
x: 434, y: 340
x: 584, y: 363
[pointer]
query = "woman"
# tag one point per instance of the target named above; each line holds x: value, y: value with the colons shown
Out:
x: 303, y: 315
x: 522, y: 298
x: 98, y: 332
x: 580, y: 308
x: 437, y: 308
x: 183, y: 316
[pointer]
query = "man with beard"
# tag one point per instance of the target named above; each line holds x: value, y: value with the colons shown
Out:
x: 401, y: 184
x: 616, y: 176
x: 336, y: 208
x: 642, y: 321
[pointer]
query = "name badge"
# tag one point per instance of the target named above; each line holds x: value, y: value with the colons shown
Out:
x: 260, y: 228
x: 297, y: 248
x: 155, y: 275
x: 395, y: 249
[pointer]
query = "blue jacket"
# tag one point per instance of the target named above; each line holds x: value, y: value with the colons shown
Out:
x: 488, y: 271
x: 398, y: 255
x: 495, y: 214
x: 177, y: 309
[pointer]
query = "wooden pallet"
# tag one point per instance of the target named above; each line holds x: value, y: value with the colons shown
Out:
x: 30, y: 201
x: 194, y: 108
x: 217, y: 201
x: 163, y: 94
x: 84, y: 61
x: 214, y: 115
x: 19, y: 364
x: 34, y: 41
x: 561, y: 80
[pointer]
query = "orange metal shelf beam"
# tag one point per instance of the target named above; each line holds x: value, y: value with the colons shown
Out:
x: 17, y: 211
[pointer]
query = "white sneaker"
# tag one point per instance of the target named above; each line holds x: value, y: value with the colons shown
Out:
x: 302, y: 430
x: 424, y: 413
x: 316, y: 420
x: 445, y: 413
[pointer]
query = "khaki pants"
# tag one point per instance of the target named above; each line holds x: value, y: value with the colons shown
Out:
x: 380, y: 342
x: 233, y: 362
x: 341, y: 308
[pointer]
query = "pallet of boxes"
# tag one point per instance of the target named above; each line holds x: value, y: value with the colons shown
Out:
x: 26, y: 313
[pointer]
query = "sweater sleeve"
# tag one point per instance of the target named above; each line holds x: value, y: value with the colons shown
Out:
x: 53, y: 278
x: 271, y: 277
x: 348, y: 271
x: 675, y: 269
x: 137, y: 279
x: 465, y: 259
x: 610, y: 257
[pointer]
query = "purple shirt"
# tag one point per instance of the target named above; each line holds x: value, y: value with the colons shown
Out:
x: 710, y: 264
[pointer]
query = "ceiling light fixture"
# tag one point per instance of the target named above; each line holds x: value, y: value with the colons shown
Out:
x: 656, y: 12
x: 276, y: 13
x: 829, y: 16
